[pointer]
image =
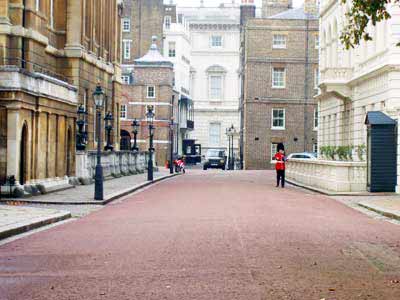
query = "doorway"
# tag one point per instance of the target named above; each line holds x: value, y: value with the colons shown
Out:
x: 22, y: 156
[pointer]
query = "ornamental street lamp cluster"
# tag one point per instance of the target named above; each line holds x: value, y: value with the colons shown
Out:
x: 230, y: 132
x: 150, y: 119
x: 81, y: 136
x: 135, y: 125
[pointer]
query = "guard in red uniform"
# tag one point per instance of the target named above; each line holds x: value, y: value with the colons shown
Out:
x: 280, y: 165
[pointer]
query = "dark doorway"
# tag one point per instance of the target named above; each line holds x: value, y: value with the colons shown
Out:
x: 125, y: 140
x: 69, y: 152
x: 381, y: 152
x: 23, y: 157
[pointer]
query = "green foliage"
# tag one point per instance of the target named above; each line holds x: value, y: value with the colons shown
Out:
x: 361, y: 150
x: 362, y: 13
x: 341, y: 152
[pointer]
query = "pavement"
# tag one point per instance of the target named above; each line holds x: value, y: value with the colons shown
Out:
x: 83, y: 194
x: 15, y: 220
x: 223, y: 236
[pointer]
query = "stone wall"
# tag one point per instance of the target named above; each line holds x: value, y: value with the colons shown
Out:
x: 330, y: 176
x: 115, y: 164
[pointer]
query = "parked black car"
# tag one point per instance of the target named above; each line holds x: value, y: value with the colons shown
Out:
x: 215, y: 158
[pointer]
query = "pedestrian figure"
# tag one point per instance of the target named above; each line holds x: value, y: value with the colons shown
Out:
x: 180, y: 165
x: 280, y: 165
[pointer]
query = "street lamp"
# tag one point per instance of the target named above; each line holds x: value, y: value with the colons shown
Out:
x: 230, y: 133
x: 98, y: 97
x: 81, y: 135
x: 108, y: 127
x: 171, y: 154
x: 233, y: 132
x: 135, y: 125
x: 150, y: 120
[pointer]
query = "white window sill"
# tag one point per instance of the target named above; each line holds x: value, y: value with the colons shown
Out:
x: 279, y: 87
x: 279, y: 47
x: 278, y: 128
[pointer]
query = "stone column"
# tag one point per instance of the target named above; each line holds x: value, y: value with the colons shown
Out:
x: 13, y: 143
x: 74, y: 25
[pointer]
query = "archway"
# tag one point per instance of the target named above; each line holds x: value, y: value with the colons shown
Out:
x: 23, y: 160
x: 125, y: 140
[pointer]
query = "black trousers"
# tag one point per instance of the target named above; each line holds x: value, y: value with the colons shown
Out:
x: 280, y: 177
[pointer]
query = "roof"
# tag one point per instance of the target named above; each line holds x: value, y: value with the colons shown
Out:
x: 153, y: 57
x: 378, y: 118
x: 294, y: 14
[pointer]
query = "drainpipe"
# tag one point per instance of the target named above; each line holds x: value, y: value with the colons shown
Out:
x: 306, y: 79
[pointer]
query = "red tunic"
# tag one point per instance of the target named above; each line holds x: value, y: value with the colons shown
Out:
x: 280, y: 161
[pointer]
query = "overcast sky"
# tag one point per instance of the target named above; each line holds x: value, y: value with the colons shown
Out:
x: 296, y: 3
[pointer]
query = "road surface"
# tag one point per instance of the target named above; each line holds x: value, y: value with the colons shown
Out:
x: 209, y: 235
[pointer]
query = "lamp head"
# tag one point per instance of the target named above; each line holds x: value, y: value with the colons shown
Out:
x: 98, y: 96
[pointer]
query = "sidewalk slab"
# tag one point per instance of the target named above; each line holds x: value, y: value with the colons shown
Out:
x: 83, y: 194
x: 16, y: 220
x: 389, y: 207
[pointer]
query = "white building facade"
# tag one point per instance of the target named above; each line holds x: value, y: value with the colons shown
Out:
x: 353, y: 83
x: 214, y: 77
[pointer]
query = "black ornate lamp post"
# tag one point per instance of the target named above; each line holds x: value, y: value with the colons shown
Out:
x: 135, y: 125
x: 171, y: 153
x: 81, y: 135
x: 150, y: 120
x: 108, y: 127
x: 230, y: 132
x: 98, y: 97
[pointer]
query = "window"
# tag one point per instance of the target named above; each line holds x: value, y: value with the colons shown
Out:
x: 315, y: 119
x: 123, y: 111
x: 151, y: 91
x: 216, y: 87
x: 126, y: 25
x: 315, y: 148
x: 316, y: 41
x: 126, y: 45
x: 278, y: 118
x: 37, y: 5
x: 215, y: 134
x: 180, y: 18
x: 167, y: 22
x: 216, y: 41
x: 274, y: 149
x: 126, y: 79
x: 316, y: 78
x: 171, y: 51
x: 279, y: 41
x: 278, y: 78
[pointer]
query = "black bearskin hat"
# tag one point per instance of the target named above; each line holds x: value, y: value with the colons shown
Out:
x: 280, y: 147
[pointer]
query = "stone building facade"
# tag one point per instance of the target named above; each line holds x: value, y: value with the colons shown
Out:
x: 353, y: 83
x: 153, y: 86
x: 52, y: 54
x: 214, y: 78
x: 279, y: 74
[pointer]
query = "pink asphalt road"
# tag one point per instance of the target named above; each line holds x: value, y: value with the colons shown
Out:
x: 209, y: 235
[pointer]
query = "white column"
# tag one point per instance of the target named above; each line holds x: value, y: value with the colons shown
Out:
x: 13, y: 143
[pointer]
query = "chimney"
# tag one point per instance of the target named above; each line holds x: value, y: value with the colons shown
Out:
x: 247, y: 11
x: 310, y: 7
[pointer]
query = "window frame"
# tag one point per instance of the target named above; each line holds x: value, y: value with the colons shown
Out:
x: 154, y: 91
x: 123, y: 77
x: 123, y: 24
x: 171, y: 51
x: 210, y: 94
x: 274, y: 150
x: 167, y: 25
x: 212, y: 41
x: 284, y: 78
x: 283, y: 127
x: 123, y: 111
x: 279, y: 46
x: 124, y: 44
x: 316, y: 121
x: 210, y: 140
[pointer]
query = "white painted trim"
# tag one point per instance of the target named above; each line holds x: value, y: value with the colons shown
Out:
x: 151, y: 103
